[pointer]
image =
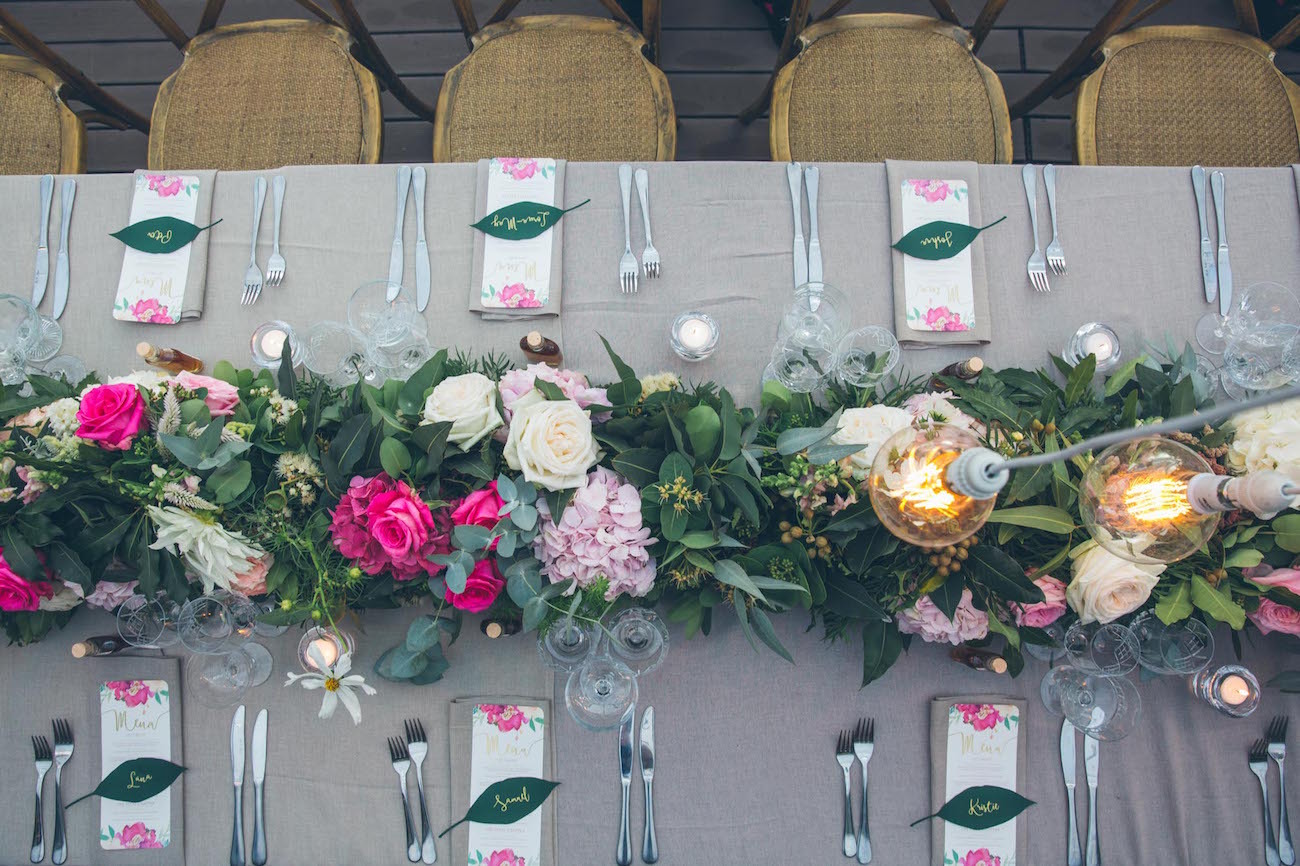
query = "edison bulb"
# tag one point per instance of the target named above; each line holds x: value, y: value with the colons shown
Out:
x: 1134, y: 502
x: 910, y: 492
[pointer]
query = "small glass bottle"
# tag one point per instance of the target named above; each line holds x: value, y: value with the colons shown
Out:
x: 964, y: 370
x: 101, y: 645
x: 171, y: 360
x: 495, y: 628
x: 979, y: 659
x: 541, y: 350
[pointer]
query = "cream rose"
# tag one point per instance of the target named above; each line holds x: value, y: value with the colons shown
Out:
x: 552, y: 443
x: 869, y: 427
x: 469, y: 402
x: 1105, y: 587
x: 1267, y: 438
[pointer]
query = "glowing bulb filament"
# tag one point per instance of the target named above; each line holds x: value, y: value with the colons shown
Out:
x: 923, y: 487
x: 1157, y: 499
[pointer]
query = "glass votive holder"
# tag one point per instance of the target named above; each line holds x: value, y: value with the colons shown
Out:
x: 1096, y: 339
x: 329, y: 642
x: 694, y: 336
x: 1232, y: 689
x: 267, y: 344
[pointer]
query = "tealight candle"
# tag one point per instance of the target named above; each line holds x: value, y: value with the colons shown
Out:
x: 1232, y: 689
x: 694, y: 336
x: 328, y: 643
x: 1100, y: 345
x: 1098, y: 340
x: 273, y: 342
x: 267, y: 344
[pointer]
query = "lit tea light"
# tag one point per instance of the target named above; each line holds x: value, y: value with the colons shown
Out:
x: 329, y: 644
x: 267, y: 344
x: 694, y: 336
x: 1097, y: 340
x: 1232, y: 689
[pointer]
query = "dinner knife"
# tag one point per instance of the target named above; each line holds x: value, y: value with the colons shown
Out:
x: 237, y: 766
x: 61, y: 263
x: 623, y: 856
x: 649, y: 843
x: 1074, y: 856
x: 43, y: 241
x: 1208, y: 273
x: 259, y: 776
x: 421, y: 245
x: 794, y: 172
x: 1225, y: 269
x: 396, y: 259
x: 811, y: 176
x: 1090, y: 748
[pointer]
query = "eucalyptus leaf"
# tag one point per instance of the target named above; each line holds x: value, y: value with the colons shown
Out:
x: 981, y: 807
x: 522, y: 220
x: 135, y: 781
x: 507, y: 801
x: 939, y: 239
x: 160, y: 235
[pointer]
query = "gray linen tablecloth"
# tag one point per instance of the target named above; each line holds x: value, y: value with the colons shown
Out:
x: 746, y: 774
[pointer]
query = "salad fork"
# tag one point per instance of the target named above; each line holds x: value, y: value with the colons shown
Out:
x: 864, y: 743
x: 253, y: 275
x: 1055, y: 255
x: 1037, y: 266
x: 627, y: 268
x: 62, y: 753
x: 1277, y: 751
x: 1259, y: 766
x: 417, y: 745
x: 44, y: 760
x: 275, y: 265
x: 402, y: 766
x: 844, y: 755
x: 650, y: 256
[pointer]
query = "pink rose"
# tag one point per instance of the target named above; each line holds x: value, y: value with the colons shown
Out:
x: 1287, y: 578
x: 506, y: 717
x: 1271, y: 616
x: 480, y: 508
x: 925, y: 618
x: 981, y: 717
x: 979, y: 857
x: 137, y: 835
x: 133, y: 693
x: 399, y: 522
x: 149, y: 310
x: 107, y: 595
x: 111, y: 415
x: 515, y: 384
x: 1043, y: 613
x: 506, y: 857
x: 18, y: 593
x: 253, y: 581
x: 482, y: 587
x: 222, y: 397
x: 944, y: 319
x: 382, y: 524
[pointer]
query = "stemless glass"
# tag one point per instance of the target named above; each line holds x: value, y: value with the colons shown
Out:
x: 384, y: 311
x: 336, y: 353
x: 1110, y: 649
x: 1049, y: 654
x: 206, y: 625
x: 1263, y: 358
x: 243, y: 614
x: 639, y: 639
x: 403, y: 356
x: 218, y: 681
x: 598, y: 693
x: 866, y: 356
x: 1186, y: 647
x: 803, y: 368
x: 565, y: 645
x: 1104, y: 707
x: 141, y: 621
x: 818, y: 316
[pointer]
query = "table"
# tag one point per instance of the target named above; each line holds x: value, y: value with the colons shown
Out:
x: 746, y: 773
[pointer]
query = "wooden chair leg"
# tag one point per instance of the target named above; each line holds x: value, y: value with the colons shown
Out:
x: 165, y: 22
x: 378, y: 64
x: 798, y: 17
x: 1287, y: 35
x: 502, y: 12
x: 652, y: 26
x: 946, y: 12
x: 1247, y: 20
x: 320, y: 13
x: 468, y: 23
x: 984, y: 23
x: 211, y: 12
x: 832, y: 10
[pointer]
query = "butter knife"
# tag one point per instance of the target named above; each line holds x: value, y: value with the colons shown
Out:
x: 259, y: 776
x: 396, y: 259
x: 623, y: 856
x: 1208, y: 273
x: 1074, y: 856
x: 237, y: 766
x: 1090, y: 749
x: 649, y: 843
x: 1225, y: 269
x: 61, y: 263
x: 811, y: 176
x: 43, y: 241
x: 421, y: 245
x: 794, y: 172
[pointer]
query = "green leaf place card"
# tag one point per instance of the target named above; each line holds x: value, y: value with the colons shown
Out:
x: 159, y: 243
x: 938, y: 282
x: 163, y: 234
x: 981, y: 807
x: 135, y: 807
x: 523, y: 220
x: 939, y: 239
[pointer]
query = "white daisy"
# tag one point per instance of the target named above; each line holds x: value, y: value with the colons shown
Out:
x: 337, y: 683
x: 212, y: 552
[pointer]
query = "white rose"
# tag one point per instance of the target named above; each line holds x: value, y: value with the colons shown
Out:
x: 552, y: 443
x: 869, y: 427
x: 1267, y: 438
x: 469, y: 402
x: 65, y: 597
x: 1105, y: 587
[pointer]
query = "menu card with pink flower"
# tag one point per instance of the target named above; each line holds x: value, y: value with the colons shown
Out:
x: 135, y: 722
x: 518, y: 278
x: 508, y: 740
x: 152, y: 286
x: 940, y: 292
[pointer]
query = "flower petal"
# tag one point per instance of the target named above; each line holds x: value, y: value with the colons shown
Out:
x: 328, y: 705
x: 351, y: 703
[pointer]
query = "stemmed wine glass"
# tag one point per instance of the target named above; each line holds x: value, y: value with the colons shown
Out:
x: 866, y: 356
x: 1182, y: 648
x: 147, y: 622
x: 565, y: 645
x: 244, y: 614
x: 639, y: 639
x: 219, y: 672
x: 1103, y: 706
x: 600, y: 691
x: 1110, y: 649
x: 336, y: 353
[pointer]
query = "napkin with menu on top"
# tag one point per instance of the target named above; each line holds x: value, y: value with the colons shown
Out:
x: 495, y: 738
x: 518, y: 279
x: 166, y: 288
x: 976, y: 740
x: 945, y: 301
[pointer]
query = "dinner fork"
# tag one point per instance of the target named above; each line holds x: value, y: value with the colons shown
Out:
x: 844, y: 755
x: 650, y: 257
x: 44, y: 760
x: 417, y: 745
x: 62, y: 752
x: 1037, y: 266
x: 1055, y: 255
x: 402, y: 765
x: 864, y: 743
x: 1277, y: 751
x: 627, y: 265
x: 253, y: 276
x: 1259, y: 766
x: 275, y: 265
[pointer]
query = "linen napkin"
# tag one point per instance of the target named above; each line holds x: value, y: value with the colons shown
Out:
x: 986, y: 738
x: 167, y: 288
x: 461, y: 739
x: 41, y: 683
x: 517, y: 279
x: 943, y: 302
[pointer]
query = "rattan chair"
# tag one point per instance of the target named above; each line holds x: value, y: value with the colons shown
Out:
x: 266, y: 94
x: 864, y: 88
x: 39, y: 134
x: 565, y: 86
x: 1186, y: 95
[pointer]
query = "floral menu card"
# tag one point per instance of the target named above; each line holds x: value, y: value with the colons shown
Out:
x: 151, y: 288
x: 982, y: 749
x: 508, y: 740
x: 135, y: 722
x: 940, y: 294
x: 517, y: 273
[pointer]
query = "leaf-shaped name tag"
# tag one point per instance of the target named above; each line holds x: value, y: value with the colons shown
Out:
x: 507, y: 801
x: 522, y: 220
x: 160, y: 234
x: 981, y: 807
x: 939, y: 239
x: 136, y: 780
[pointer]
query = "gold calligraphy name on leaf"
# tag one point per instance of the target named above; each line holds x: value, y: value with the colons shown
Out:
x: 505, y: 804
x: 160, y: 236
x: 939, y: 239
x: 138, y: 780
x: 936, y: 240
x: 522, y: 220
x: 507, y: 801
x: 983, y: 807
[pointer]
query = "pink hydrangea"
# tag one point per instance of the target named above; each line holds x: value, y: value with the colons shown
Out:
x: 981, y: 717
x: 925, y: 618
x: 517, y: 295
x: 599, y: 535
x: 517, y: 383
x: 383, y: 525
x: 107, y: 595
x: 1043, y: 613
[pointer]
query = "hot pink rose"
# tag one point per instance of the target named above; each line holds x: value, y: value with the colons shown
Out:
x: 253, y: 581
x: 1271, y: 616
x: 482, y: 587
x: 979, y: 857
x: 222, y: 397
x: 480, y: 508
x: 981, y: 717
x: 111, y: 415
x: 137, y: 835
x: 1043, y: 613
x: 506, y: 717
x: 18, y: 593
x: 133, y: 693
x: 505, y: 857
x: 1287, y: 578
x: 382, y: 524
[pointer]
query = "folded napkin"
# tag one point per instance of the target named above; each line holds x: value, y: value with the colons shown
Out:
x: 461, y: 742
x: 978, y: 740
x: 517, y: 279
x: 44, y: 682
x: 168, y: 288
x: 941, y: 302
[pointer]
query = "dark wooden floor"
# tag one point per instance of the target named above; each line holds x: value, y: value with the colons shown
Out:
x: 716, y: 53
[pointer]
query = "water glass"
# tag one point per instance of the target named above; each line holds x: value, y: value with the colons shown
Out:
x: 20, y: 324
x: 243, y: 619
x: 69, y: 368
x: 1110, y: 649
x: 402, y: 357
x: 1102, y: 706
x: 600, y: 691
x: 336, y: 353
x: 866, y: 356
x: 802, y: 367
x: 1049, y: 654
x: 1264, y: 358
x: 220, y: 680
x: 141, y: 622
x: 383, y: 311
x: 639, y: 639
x: 565, y: 645
x: 1182, y: 648
x: 207, y: 626
x: 819, y: 316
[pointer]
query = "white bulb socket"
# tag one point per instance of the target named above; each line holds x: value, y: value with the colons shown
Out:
x: 978, y: 473
x: 1262, y: 493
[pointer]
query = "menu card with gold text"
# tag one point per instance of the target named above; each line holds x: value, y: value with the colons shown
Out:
x: 508, y: 740
x: 135, y: 722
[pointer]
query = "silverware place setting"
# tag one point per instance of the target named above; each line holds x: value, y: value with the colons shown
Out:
x: 1258, y: 762
x: 627, y: 266
x: 44, y: 760
x: 422, y: 276
x: 1209, y: 273
x: 1055, y: 255
x: 1091, y: 755
x: 649, y: 841
x: 417, y: 747
x: 396, y: 259
x: 1037, y: 265
x: 43, y: 241
x: 626, y: 750
x: 1225, y: 266
x: 650, y: 255
x: 858, y: 746
x: 253, y: 274
x: 275, y: 266
x: 794, y: 173
x: 63, y: 747
x: 1277, y: 751
x: 812, y: 180
x: 401, y: 759
x: 864, y: 744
